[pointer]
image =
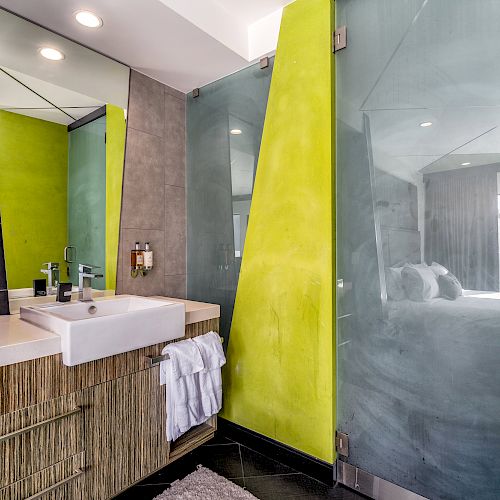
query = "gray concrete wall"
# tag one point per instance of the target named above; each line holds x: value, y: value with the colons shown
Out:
x: 153, y: 203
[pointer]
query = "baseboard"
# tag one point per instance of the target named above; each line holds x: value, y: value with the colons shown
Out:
x: 301, y: 462
x: 372, y: 486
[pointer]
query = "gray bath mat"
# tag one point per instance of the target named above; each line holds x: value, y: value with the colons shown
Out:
x: 204, y: 484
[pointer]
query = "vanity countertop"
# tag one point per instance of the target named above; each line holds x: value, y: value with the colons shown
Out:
x: 21, y: 341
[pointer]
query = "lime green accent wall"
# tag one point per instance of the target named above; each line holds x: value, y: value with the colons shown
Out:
x: 115, y: 151
x: 279, y: 379
x: 33, y: 177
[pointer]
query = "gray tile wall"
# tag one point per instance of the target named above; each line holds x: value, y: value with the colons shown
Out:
x: 154, y: 198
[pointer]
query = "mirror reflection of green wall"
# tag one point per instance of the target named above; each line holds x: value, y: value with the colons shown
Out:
x: 33, y: 195
x: 60, y: 188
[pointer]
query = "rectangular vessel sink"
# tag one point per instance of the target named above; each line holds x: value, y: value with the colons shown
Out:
x: 108, y: 326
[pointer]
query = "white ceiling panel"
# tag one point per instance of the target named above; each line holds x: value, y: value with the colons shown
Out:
x: 182, y: 44
x: 456, y: 161
x: 397, y: 132
x: 253, y: 10
x: 12, y: 94
x: 59, y: 96
x: 78, y: 113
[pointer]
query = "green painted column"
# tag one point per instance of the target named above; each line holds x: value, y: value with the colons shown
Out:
x: 115, y: 153
x: 279, y: 379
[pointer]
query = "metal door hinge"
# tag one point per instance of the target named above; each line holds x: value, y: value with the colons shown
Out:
x: 342, y: 443
x: 340, y: 39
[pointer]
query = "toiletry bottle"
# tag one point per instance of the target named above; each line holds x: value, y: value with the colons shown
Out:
x: 137, y: 257
x: 148, y: 257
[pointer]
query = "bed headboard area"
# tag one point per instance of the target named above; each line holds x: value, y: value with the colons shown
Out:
x: 397, y: 218
x: 400, y: 246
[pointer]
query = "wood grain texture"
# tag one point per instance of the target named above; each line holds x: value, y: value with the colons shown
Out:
x: 125, y: 420
x: 72, y: 490
x: 121, y: 428
x: 125, y: 428
x: 34, y: 381
x: 30, y: 452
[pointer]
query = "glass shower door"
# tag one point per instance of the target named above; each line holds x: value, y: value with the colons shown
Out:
x: 418, y: 157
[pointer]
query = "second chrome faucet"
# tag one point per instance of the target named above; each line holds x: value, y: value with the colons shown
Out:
x: 85, y: 277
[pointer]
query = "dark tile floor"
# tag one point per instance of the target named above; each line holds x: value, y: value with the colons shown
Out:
x: 262, y: 476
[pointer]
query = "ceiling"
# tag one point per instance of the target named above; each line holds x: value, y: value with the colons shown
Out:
x: 57, y: 91
x: 435, y: 61
x: 251, y: 11
x: 29, y: 96
x: 184, y: 44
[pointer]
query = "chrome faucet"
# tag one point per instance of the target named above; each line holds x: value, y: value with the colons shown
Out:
x: 52, y: 273
x: 85, y: 277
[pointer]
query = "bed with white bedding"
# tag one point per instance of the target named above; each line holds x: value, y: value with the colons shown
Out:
x: 474, y: 314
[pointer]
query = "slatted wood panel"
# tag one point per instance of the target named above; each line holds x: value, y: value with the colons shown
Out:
x: 31, y: 382
x: 125, y: 425
x: 125, y: 421
x: 53, y: 441
x: 46, y: 478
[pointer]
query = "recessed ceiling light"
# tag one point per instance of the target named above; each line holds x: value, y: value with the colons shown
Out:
x: 236, y: 131
x: 52, y: 54
x: 426, y: 124
x: 465, y: 163
x: 88, y: 19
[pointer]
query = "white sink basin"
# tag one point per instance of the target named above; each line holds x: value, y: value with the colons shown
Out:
x: 118, y: 324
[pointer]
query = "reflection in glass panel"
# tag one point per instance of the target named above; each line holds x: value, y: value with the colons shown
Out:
x: 418, y: 244
x: 224, y: 130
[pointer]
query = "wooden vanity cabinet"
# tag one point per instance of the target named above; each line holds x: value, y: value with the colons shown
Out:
x: 103, y: 430
x: 125, y: 421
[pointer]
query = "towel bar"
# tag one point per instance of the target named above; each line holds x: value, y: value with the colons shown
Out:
x: 156, y: 360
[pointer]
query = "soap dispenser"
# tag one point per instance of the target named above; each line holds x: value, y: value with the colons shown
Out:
x: 148, y: 257
x: 136, y: 260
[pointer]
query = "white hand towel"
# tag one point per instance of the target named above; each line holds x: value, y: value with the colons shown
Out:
x: 194, y: 382
x: 185, y: 356
x: 210, y: 378
x: 180, y: 373
x: 211, y: 350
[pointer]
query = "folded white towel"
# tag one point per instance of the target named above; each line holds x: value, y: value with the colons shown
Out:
x: 211, y: 351
x: 185, y: 356
x: 194, y: 393
x: 210, y: 377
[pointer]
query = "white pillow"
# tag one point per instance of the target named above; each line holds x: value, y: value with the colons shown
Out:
x: 438, y: 269
x: 419, y: 282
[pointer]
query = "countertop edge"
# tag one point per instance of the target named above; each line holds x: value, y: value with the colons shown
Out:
x: 45, y: 343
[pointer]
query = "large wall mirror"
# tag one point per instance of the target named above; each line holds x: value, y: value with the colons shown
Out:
x: 62, y: 141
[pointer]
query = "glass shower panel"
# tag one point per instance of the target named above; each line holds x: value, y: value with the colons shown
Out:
x: 418, y: 156
x: 224, y: 130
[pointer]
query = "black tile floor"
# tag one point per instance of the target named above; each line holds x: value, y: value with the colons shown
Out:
x: 262, y: 476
